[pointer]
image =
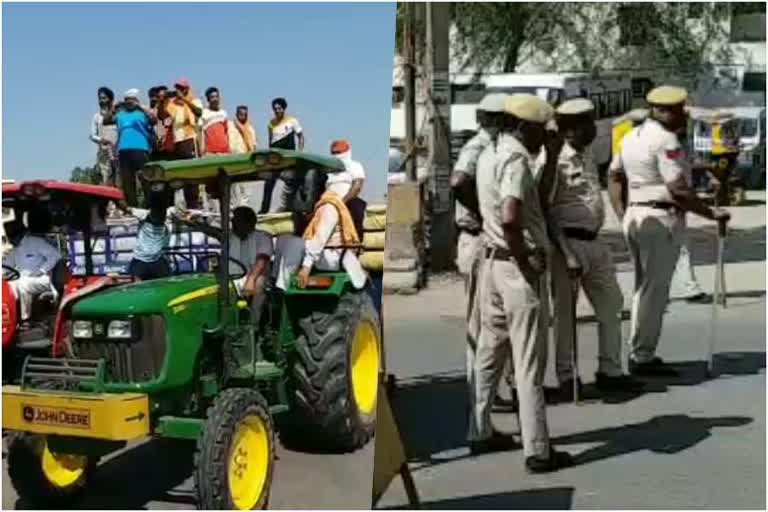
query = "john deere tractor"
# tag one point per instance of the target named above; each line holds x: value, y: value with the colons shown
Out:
x: 181, y: 358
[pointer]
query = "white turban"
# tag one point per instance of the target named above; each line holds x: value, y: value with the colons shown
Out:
x: 132, y: 93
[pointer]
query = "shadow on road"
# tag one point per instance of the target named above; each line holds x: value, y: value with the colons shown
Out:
x: 692, y: 373
x: 741, y: 245
x: 160, y: 465
x: 553, y: 498
x: 431, y: 410
x: 668, y: 434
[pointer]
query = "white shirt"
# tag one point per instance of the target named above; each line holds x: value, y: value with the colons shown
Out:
x: 33, y: 256
x: 327, y: 234
x: 466, y: 163
x: 353, y: 171
x: 651, y: 157
x: 256, y: 244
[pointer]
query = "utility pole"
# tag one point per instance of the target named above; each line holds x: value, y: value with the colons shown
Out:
x: 409, y: 48
x: 442, y: 230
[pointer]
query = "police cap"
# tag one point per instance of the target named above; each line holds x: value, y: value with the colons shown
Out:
x: 575, y: 107
x: 528, y: 107
x: 667, y: 95
x: 493, y: 103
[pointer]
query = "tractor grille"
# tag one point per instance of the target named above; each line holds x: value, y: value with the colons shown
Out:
x: 128, y: 361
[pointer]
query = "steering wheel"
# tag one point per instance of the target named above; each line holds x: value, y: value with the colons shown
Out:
x: 217, y: 257
x: 172, y: 255
x: 10, y: 273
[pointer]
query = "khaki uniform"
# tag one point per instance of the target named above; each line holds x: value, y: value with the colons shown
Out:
x: 470, y: 242
x: 651, y: 157
x: 575, y: 206
x: 512, y: 306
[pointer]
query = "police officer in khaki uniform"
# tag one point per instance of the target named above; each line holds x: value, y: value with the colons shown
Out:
x: 510, y: 292
x: 468, y: 221
x: 575, y: 214
x: 653, y: 166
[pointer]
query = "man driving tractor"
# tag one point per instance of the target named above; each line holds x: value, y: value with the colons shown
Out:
x: 34, y: 258
x: 249, y: 246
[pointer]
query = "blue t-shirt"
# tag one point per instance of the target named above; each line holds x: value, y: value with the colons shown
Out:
x: 132, y: 130
x: 151, y: 241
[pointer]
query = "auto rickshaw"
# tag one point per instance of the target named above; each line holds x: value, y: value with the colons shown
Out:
x: 716, y: 135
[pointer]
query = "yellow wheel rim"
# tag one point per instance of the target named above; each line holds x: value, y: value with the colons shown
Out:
x: 249, y: 463
x: 63, y: 470
x: 365, y: 367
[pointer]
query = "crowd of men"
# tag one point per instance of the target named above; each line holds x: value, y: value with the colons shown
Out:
x: 174, y: 126
x: 530, y: 211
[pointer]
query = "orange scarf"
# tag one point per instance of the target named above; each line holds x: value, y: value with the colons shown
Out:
x: 348, y: 232
x: 246, y: 134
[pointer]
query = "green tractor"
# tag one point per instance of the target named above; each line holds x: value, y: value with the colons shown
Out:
x: 180, y: 358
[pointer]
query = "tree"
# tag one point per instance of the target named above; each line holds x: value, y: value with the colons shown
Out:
x: 88, y: 175
x: 499, y: 34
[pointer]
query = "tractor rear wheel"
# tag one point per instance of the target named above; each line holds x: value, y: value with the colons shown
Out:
x: 234, y: 460
x: 44, y: 479
x: 335, y: 376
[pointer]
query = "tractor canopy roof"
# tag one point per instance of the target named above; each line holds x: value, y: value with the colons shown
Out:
x: 46, y: 190
x: 75, y: 205
x: 257, y: 166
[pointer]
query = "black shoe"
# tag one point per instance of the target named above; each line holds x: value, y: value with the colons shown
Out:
x: 653, y: 368
x: 622, y: 382
x: 502, y: 405
x: 565, y: 391
x: 556, y: 460
x: 701, y: 298
x: 497, y: 443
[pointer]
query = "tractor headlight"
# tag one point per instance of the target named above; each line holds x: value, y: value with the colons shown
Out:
x: 82, y: 329
x: 121, y: 329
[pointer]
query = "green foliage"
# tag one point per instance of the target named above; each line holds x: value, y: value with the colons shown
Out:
x: 87, y: 175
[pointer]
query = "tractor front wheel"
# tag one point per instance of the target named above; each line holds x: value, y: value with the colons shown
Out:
x: 335, y: 376
x: 44, y: 479
x: 234, y: 460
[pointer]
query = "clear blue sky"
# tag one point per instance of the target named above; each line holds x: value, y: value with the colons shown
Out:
x: 332, y: 62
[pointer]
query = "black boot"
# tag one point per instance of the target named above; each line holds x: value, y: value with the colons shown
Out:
x: 653, y: 368
x: 622, y: 382
x: 556, y: 460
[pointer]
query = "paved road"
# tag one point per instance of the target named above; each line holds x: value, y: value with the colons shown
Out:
x: 154, y: 475
x: 686, y: 443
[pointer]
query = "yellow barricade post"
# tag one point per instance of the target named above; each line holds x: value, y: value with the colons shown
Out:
x: 390, y: 459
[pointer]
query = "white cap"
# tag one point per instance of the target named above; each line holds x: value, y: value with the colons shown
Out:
x: 575, y: 106
x: 493, y: 102
x: 131, y: 93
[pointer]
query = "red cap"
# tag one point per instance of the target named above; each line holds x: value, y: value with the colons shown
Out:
x: 339, y: 146
x: 183, y: 82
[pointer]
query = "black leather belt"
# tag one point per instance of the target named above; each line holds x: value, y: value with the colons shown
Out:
x: 580, y: 234
x: 498, y: 253
x: 473, y: 232
x: 659, y: 205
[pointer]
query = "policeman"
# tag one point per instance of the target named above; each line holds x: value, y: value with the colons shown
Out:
x: 653, y: 166
x: 575, y: 214
x: 468, y: 221
x: 510, y: 295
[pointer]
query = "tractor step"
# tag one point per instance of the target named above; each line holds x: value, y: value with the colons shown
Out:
x: 34, y: 344
x: 264, y: 370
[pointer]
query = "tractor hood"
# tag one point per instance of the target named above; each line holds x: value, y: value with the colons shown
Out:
x: 145, y: 297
